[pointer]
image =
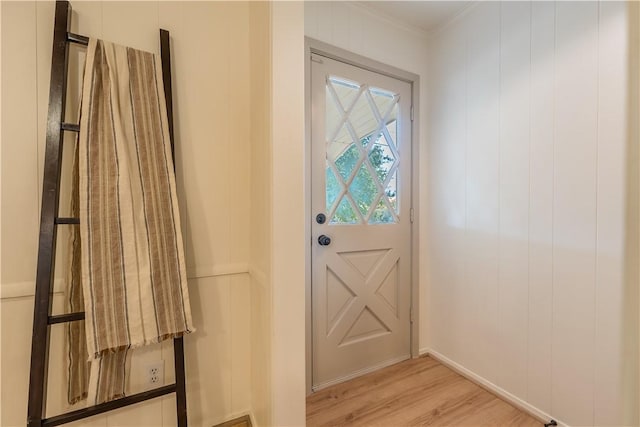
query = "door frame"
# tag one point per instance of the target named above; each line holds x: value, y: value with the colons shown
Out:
x: 312, y: 46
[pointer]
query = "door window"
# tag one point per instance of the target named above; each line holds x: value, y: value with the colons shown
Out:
x: 361, y: 153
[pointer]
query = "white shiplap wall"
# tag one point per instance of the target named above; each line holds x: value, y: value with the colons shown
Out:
x: 532, y: 178
x: 366, y: 32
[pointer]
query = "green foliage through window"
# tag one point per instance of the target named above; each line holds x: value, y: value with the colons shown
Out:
x: 363, y: 188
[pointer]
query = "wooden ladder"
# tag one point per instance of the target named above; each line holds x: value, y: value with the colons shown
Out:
x: 49, y: 221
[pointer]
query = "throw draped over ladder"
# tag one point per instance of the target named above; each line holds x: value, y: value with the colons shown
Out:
x: 128, y: 268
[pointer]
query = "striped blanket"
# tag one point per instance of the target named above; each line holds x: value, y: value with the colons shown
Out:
x: 131, y: 261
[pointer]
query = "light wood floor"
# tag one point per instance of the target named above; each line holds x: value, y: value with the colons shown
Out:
x: 415, y: 392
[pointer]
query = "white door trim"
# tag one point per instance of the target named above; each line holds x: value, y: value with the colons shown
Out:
x: 316, y: 47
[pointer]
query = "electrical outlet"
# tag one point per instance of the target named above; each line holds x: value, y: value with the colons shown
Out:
x: 154, y: 374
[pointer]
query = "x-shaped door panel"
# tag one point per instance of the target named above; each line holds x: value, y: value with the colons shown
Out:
x: 370, y: 312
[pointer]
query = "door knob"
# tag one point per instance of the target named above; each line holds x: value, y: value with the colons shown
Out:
x: 324, y: 240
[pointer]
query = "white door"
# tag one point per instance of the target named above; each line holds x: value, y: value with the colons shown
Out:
x: 361, y: 232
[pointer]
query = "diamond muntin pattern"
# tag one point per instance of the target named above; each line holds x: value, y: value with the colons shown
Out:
x: 361, y: 153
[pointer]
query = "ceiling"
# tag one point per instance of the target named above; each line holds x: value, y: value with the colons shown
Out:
x: 424, y: 15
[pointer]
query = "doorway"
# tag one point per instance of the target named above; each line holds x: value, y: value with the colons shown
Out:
x: 360, y: 220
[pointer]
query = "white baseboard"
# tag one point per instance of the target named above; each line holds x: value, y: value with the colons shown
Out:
x: 231, y: 417
x: 491, y: 387
x: 253, y: 419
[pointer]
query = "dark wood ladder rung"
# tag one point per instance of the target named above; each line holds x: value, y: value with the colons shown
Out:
x: 77, y: 38
x: 108, y: 406
x: 64, y: 220
x: 64, y: 318
x: 71, y: 127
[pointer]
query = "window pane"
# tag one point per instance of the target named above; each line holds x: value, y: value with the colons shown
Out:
x: 361, y: 153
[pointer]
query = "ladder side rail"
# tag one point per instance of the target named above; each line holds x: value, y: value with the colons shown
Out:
x: 180, y: 384
x: 49, y: 210
x: 178, y: 343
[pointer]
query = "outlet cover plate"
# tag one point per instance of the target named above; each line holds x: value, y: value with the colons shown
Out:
x: 154, y: 374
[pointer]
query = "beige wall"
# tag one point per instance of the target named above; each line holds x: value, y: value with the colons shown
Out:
x: 260, y: 211
x: 238, y: 105
x: 533, y: 175
x: 212, y: 106
x: 288, y: 216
